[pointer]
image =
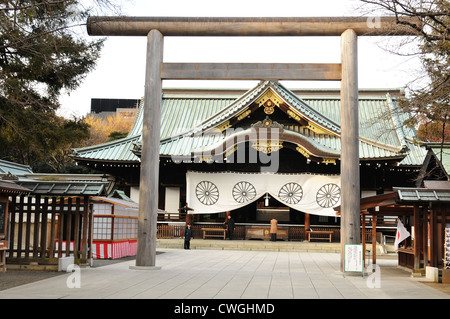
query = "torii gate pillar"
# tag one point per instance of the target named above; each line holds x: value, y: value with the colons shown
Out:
x: 350, y: 183
x: 148, y: 190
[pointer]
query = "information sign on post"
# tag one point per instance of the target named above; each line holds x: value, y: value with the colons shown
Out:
x: 353, y: 258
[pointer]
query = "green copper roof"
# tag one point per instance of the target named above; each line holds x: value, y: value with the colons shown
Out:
x: 442, y: 153
x: 182, y: 114
x: 58, y: 188
x: 14, y: 168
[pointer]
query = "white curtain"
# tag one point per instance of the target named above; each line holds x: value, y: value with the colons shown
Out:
x: 214, y: 192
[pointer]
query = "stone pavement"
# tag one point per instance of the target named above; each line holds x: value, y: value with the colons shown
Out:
x: 231, y: 274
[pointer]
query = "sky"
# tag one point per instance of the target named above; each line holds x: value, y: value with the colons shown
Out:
x: 120, y: 71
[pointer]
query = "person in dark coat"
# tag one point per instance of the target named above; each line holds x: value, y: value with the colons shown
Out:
x: 187, y: 236
x: 230, y: 224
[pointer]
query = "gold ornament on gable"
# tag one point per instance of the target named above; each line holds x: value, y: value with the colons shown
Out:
x: 267, y: 147
x: 303, y: 151
x: 243, y: 114
x: 269, y: 96
x: 269, y: 107
x: 223, y: 126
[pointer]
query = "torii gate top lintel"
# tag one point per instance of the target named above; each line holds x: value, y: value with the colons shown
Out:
x: 248, y: 26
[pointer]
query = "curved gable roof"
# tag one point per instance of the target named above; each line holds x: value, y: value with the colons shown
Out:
x: 183, y: 116
x: 241, y: 104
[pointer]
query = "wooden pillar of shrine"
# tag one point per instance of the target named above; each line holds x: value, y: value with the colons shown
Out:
x: 417, y: 237
x: 307, y: 222
x: 374, y: 239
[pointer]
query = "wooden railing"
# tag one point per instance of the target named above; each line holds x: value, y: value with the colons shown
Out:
x: 43, y: 229
x: 295, y: 233
x: 170, y: 231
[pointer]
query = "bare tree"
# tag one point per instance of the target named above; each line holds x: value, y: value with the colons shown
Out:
x: 428, y: 100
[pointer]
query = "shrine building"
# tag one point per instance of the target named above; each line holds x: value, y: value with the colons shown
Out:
x: 263, y: 153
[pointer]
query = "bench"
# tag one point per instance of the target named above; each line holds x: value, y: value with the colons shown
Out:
x: 264, y: 233
x: 212, y: 232
x: 320, y: 232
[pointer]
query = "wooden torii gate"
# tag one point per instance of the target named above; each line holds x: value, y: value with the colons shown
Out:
x: 156, y: 28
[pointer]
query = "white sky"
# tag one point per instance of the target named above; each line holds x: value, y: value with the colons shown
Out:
x: 120, y: 71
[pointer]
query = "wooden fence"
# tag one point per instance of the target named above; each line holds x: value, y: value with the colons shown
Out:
x: 43, y: 229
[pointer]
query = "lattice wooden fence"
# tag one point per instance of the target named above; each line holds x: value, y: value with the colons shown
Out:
x: 43, y: 229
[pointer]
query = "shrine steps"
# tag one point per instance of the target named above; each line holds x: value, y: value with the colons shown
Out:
x: 255, y: 245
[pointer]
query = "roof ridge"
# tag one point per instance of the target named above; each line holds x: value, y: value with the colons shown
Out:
x: 396, y: 119
x: 106, y: 144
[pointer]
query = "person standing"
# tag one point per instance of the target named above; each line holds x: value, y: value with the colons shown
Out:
x: 230, y: 224
x: 273, y: 229
x: 187, y: 236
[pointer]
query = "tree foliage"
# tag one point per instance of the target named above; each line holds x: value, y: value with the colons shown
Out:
x: 105, y: 129
x: 41, y: 55
x: 434, y: 132
x: 428, y: 101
